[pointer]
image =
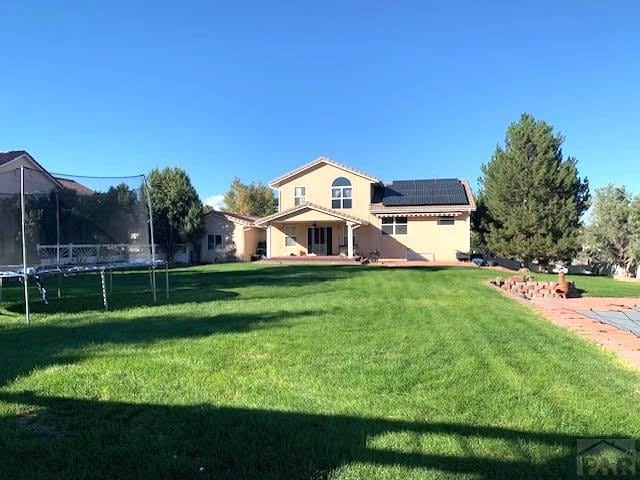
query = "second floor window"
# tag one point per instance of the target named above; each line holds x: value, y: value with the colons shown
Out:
x: 341, y: 193
x: 299, y: 195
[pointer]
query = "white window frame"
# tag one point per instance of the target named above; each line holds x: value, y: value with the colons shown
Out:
x: 290, y: 239
x: 299, y: 199
x: 394, y: 224
x: 217, y: 246
x: 341, y: 198
x: 446, y: 221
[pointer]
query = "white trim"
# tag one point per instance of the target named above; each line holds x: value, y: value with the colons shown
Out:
x: 268, y: 241
x: 442, y: 218
x: 318, y: 161
x: 304, y: 198
x: 327, y: 211
x: 394, y: 224
x: 419, y: 214
x: 331, y: 187
x: 288, y: 236
x: 35, y: 166
x: 220, y: 246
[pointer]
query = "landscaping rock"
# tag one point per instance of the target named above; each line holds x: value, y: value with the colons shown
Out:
x: 525, y: 286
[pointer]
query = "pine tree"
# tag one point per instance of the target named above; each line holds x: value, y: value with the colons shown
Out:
x: 535, y: 198
x: 177, y: 209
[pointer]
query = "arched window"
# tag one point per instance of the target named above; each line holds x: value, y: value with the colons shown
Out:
x: 341, y: 192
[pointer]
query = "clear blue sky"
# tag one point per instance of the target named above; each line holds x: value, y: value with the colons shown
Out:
x: 399, y: 89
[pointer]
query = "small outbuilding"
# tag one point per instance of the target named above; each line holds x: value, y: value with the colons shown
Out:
x: 230, y: 237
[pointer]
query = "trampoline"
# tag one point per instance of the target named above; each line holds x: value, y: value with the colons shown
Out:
x: 58, y: 225
x: 628, y: 320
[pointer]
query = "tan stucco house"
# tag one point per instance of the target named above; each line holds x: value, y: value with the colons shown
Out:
x: 230, y: 237
x: 330, y: 209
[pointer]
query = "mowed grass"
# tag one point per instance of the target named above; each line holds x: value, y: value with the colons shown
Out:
x: 592, y: 286
x: 294, y: 372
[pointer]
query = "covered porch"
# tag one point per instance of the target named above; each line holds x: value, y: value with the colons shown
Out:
x: 311, y: 231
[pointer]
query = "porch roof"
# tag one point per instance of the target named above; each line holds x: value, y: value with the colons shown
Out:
x: 309, y: 206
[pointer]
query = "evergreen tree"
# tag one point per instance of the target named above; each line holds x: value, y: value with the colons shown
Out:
x: 177, y: 209
x: 613, y: 236
x: 534, y: 197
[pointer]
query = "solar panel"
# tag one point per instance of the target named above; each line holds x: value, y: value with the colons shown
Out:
x: 448, y: 191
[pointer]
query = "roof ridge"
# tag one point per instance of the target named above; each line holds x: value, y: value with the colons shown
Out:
x: 313, y: 206
x: 323, y: 159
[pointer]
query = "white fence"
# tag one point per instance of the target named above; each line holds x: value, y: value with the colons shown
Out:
x: 92, y: 253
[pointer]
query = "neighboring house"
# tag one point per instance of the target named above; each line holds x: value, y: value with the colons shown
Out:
x: 37, y: 179
x: 230, y: 237
x: 327, y: 208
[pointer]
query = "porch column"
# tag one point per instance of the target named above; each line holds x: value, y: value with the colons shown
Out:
x: 350, y: 240
x: 269, y: 241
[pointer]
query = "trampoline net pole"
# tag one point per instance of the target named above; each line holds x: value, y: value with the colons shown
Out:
x: 152, y: 238
x: 58, y: 245
x: 104, y: 290
x: 166, y: 278
x: 25, y: 275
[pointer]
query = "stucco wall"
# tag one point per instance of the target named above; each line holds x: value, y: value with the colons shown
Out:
x: 317, y: 182
x: 428, y: 239
x: 279, y: 249
x: 251, y: 238
x: 424, y: 236
x: 35, y: 180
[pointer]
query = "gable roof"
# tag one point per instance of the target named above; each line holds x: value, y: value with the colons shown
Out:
x: 319, y: 161
x: 246, y: 220
x: 310, y: 206
x: 77, y: 187
x: 6, y: 157
x: 431, y: 192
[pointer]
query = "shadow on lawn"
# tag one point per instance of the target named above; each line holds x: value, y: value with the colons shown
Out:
x: 72, y: 438
x: 26, y: 348
x: 82, y: 293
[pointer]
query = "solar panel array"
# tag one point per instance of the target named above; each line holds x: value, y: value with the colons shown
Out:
x: 448, y: 191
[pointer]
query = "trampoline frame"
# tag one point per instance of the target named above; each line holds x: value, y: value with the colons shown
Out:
x: 24, y: 273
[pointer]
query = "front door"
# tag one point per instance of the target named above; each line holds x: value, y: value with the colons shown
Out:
x: 319, y: 240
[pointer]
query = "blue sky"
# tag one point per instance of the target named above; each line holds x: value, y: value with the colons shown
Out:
x: 399, y: 89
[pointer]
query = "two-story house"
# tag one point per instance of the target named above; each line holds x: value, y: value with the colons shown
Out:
x: 327, y: 208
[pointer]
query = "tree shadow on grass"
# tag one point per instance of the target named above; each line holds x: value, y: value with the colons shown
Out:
x: 76, y: 438
x: 25, y: 348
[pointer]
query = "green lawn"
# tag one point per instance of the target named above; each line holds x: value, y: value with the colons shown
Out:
x: 287, y: 372
x: 600, y: 286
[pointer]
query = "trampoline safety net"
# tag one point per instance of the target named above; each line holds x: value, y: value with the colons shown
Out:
x: 72, y: 222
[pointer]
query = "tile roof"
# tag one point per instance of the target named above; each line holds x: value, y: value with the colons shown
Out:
x: 75, y: 186
x: 311, y: 206
x: 318, y: 161
x: 447, y: 191
x: 6, y: 157
x: 234, y: 217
